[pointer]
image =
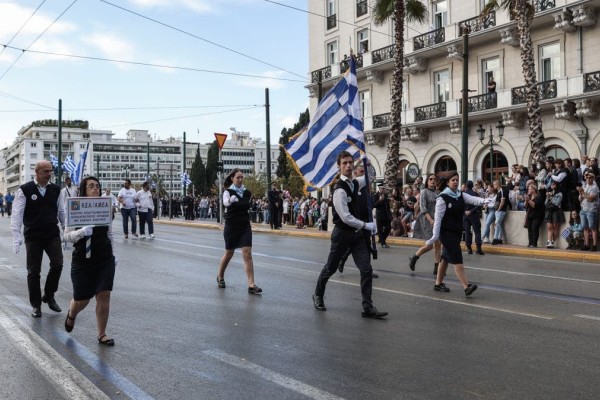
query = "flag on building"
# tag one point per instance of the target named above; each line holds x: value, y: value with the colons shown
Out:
x: 53, y: 161
x: 336, y: 126
x: 78, y: 173
x: 185, y: 179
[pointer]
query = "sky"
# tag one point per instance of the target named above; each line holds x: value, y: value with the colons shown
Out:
x: 207, y: 64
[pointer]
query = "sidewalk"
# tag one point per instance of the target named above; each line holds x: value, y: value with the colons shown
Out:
x: 512, y: 250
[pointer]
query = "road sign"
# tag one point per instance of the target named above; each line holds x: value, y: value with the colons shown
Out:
x: 221, y: 138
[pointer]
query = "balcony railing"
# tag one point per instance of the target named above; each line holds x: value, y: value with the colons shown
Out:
x: 431, y: 111
x: 429, y: 39
x: 382, y: 120
x: 383, y: 54
x: 481, y: 102
x: 477, y: 24
x: 344, y: 65
x: 361, y: 8
x: 543, y: 5
x: 331, y: 21
x: 325, y: 74
x: 591, y: 81
x: 547, y: 90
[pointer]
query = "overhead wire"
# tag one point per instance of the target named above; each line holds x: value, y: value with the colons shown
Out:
x: 139, y: 108
x: 10, y: 96
x: 23, y: 26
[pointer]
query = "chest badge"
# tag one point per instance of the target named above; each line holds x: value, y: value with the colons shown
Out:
x: 450, y: 205
x: 348, y: 199
x: 34, y: 197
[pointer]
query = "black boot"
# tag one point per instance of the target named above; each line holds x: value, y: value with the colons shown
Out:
x: 479, y: 251
x: 435, y: 268
x: 469, y: 250
x: 412, y: 262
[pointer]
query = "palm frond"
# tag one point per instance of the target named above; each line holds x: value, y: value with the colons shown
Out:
x: 416, y: 11
x: 383, y: 10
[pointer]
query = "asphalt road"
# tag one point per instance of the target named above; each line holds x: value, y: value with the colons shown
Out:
x: 531, y: 331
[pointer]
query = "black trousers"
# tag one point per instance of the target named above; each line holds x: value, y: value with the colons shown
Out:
x: 275, y: 221
x: 533, y: 229
x: 342, y: 240
x: 384, y: 226
x: 35, y: 251
x: 472, y: 221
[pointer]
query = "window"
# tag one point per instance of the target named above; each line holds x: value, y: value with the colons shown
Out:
x: 440, y: 14
x: 363, y: 41
x: 491, y: 71
x: 441, y: 86
x: 365, y: 103
x: 361, y: 8
x: 331, y: 17
x: 549, y: 61
x: 33, y: 144
x: 444, y: 164
x: 33, y: 156
x: 82, y: 146
x: 556, y: 152
x: 332, y: 55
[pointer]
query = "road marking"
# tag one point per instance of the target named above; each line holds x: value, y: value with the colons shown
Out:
x: 588, y: 317
x: 264, y: 373
x: 462, y: 303
x: 534, y: 275
x: 57, y: 371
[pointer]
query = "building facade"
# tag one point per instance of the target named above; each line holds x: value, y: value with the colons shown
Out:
x: 564, y: 34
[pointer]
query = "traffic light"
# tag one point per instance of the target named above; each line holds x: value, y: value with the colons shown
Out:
x: 220, y: 166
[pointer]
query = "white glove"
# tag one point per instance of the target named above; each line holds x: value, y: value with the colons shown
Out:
x: 17, y: 242
x: 233, y: 199
x: 371, y: 226
x: 87, y: 230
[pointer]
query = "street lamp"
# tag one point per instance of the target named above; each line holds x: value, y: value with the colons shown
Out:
x: 491, y: 142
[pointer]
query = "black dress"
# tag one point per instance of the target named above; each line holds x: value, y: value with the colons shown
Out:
x: 238, y: 232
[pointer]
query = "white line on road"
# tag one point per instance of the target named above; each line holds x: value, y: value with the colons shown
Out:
x: 534, y: 275
x: 57, y: 371
x: 588, y: 317
x: 264, y: 373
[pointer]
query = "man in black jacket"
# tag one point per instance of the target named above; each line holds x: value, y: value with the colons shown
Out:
x: 275, y: 206
x: 381, y: 203
x: 37, y: 206
x: 472, y: 219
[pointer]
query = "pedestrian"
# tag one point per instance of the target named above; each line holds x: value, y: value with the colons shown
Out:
x: 8, y: 199
x: 554, y: 214
x: 588, y: 196
x: 534, y: 214
x: 381, y: 203
x: 92, y: 267
x: 472, y: 219
x: 145, y: 205
x: 500, y: 206
x: 2, y: 204
x: 237, y: 231
x: 274, y: 197
x: 37, y: 207
x: 113, y: 201
x: 128, y: 209
x: 424, y: 224
x: 447, y: 228
x: 347, y: 233
x: 67, y: 191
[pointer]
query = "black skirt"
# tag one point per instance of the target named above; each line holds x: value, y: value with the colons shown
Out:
x: 91, y: 278
x: 237, y: 236
x: 451, y: 252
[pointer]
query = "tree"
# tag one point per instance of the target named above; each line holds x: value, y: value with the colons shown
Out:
x: 400, y: 11
x: 211, y: 165
x: 286, y: 173
x: 256, y: 184
x: 523, y: 11
x: 198, y: 174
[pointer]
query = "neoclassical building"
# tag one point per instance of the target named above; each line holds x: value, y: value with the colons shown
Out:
x: 565, y: 34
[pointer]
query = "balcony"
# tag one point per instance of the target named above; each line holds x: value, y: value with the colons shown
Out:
x: 431, y: 111
x: 344, y: 65
x: 382, y: 121
x: 481, y: 102
x: 476, y: 24
x: 547, y: 90
x: 543, y: 5
x: 331, y: 21
x: 591, y: 81
x: 324, y: 72
x: 429, y: 39
x: 361, y: 8
x: 383, y: 54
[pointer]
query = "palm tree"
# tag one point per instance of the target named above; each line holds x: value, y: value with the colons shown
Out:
x: 534, y: 116
x: 399, y: 11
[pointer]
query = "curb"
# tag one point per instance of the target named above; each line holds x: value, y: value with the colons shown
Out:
x: 508, y: 250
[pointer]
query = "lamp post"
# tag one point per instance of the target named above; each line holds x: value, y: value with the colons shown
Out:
x: 491, y: 142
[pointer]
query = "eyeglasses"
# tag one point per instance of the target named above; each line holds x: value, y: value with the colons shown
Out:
x: 431, y: 179
x: 93, y: 186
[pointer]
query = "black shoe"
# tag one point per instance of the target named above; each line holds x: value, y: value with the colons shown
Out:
x: 412, y: 262
x: 52, y: 304
x: 585, y: 248
x: 375, y: 276
x: 385, y: 246
x: 318, y: 302
x: 220, y: 283
x: 435, y: 268
x: 593, y: 248
x: 36, y: 312
x: 471, y: 287
x: 373, y: 313
x: 469, y: 250
x: 341, y: 266
x: 480, y: 252
x: 254, y: 290
x: 68, y: 327
x: 441, y: 288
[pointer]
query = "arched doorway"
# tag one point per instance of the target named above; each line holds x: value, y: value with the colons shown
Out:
x: 556, y: 151
x: 500, y: 165
x: 444, y: 164
x: 400, y: 174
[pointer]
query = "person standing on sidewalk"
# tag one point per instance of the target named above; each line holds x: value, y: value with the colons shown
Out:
x: 237, y: 231
x: 92, y: 267
x: 472, y: 219
x: 274, y: 197
x: 447, y: 228
x: 588, y: 196
x: 381, y: 203
x: 128, y: 209
x: 8, y: 199
x: 500, y: 206
x: 38, y: 208
x: 145, y: 205
x: 348, y: 234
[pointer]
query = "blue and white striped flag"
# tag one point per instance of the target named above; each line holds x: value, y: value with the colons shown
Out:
x: 53, y: 161
x: 566, y: 233
x: 185, y: 179
x: 69, y: 165
x: 336, y: 126
x: 78, y: 173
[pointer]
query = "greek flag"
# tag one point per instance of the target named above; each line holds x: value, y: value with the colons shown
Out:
x: 336, y: 126
x: 78, y: 173
x: 69, y: 166
x: 566, y: 233
x: 185, y: 179
x: 53, y: 161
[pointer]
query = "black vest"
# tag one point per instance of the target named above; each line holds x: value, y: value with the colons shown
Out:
x: 40, y: 218
x: 353, y: 205
x: 101, y: 247
x: 453, y: 217
x: 237, y: 213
